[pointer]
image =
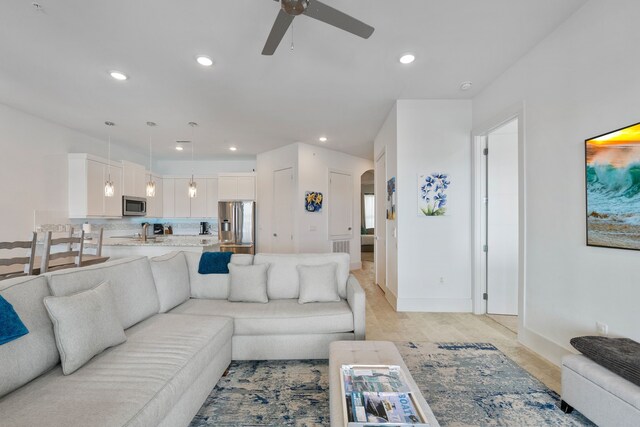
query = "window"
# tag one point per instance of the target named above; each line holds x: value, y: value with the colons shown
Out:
x: 369, y: 210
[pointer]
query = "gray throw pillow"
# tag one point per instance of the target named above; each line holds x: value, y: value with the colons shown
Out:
x: 248, y: 283
x: 171, y: 277
x: 318, y: 283
x: 84, y: 324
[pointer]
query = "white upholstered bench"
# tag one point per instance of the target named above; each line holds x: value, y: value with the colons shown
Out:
x: 366, y: 353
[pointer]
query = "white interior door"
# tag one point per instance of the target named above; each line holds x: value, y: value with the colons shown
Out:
x: 282, y: 226
x: 380, y: 221
x: 340, y: 205
x: 502, y: 221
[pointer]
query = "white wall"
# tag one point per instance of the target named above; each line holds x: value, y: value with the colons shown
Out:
x: 434, y: 253
x: 311, y: 166
x: 387, y: 142
x: 33, y: 168
x: 582, y: 80
x: 314, y: 164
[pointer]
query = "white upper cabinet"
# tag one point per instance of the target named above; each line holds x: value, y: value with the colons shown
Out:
x: 181, y: 199
x: 199, y: 203
x: 135, y: 179
x: 155, y: 203
x: 212, y: 198
x: 237, y: 186
x: 168, y: 197
x: 87, y: 176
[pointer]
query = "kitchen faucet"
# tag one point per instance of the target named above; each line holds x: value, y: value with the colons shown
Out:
x: 145, y: 225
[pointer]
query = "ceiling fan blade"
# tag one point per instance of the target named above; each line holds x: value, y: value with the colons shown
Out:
x: 331, y: 16
x: 279, y: 29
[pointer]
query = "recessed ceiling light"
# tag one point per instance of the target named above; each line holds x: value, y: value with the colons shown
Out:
x: 118, y: 75
x: 204, y: 60
x: 322, y: 139
x: 407, y: 58
x: 179, y: 147
x: 232, y: 148
x: 466, y: 85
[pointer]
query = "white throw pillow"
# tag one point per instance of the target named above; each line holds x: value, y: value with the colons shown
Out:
x: 248, y: 283
x: 84, y: 324
x: 171, y: 277
x: 318, y: 283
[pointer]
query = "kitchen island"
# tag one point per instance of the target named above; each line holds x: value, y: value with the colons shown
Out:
x: 126, y: 246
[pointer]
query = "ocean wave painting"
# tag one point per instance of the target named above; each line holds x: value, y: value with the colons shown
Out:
x: 613, y: 189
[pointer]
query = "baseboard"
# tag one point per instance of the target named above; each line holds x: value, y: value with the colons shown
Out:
x: 391, y: 299
x: 544, y: 347
x: 435, y: 305
x: 356, y: 265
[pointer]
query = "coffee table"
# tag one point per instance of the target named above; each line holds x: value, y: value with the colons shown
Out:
x: 366, y: 353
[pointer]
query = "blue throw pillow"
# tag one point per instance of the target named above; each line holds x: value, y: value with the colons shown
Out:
x: 11, y: 327
x: 214, y: 263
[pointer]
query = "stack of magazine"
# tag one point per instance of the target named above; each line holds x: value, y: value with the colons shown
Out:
x: 378, y: 396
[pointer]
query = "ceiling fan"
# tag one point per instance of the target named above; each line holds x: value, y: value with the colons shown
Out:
x: 289, y: 9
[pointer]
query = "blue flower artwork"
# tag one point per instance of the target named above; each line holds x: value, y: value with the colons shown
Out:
x: 313, y: 201
x: 432, y: 197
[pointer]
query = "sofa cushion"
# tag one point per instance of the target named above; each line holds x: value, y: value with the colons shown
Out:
x: 248, y: 283
x: 619, y: 355
x: 85, y: 324
x: 171, y: 277
x: 277, y: 317
x: 35, y: 353
x: 134, y: 384
x: 214, y: 286
x: 131, y: 282
x: 283, y: 282
x: 318, y: 283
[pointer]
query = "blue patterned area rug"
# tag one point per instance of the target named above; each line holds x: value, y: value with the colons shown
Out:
x: 466, y: 384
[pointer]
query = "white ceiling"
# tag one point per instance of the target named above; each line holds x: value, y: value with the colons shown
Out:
x: 55, y: 63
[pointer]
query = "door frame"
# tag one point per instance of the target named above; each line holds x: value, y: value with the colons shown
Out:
x: 479, y: 137
x: 380, y: 223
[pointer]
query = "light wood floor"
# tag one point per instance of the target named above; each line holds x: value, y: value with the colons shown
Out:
x: 384, y: 323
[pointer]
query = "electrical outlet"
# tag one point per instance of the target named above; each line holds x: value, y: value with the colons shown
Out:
x: 602, y: 329
x: 441, y: 279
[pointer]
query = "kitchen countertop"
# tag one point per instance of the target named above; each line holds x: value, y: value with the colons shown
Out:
x: 164, y: 240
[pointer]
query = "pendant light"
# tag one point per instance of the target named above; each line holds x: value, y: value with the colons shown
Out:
x: 193, y: 187
x: 151, y: 185
x: 109, y: 189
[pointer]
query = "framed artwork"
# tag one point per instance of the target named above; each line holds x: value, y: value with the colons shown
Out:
x: 391, y: 198
x: 313, y: 201
x: 432, y: 194
x: 612, y: 175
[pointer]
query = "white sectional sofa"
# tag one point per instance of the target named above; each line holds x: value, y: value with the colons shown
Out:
x: 181, y: 332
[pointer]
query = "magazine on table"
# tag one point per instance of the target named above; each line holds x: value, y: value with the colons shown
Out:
x: 378, y: 396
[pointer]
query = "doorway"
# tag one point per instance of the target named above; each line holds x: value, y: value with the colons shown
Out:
x: 501, y: 240
x: 368, y: 203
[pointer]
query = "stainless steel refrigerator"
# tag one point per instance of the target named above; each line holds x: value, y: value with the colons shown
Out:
x: 237, y: 226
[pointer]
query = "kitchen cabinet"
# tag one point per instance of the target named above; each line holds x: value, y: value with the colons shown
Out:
x: 134, y: 179
x: 178, y: 204
x: 212, y: 198
x: 87, y: 175
x: 168, y: 198
x: 181, y: 199
x: 237, y: 186
x: 155, y: 204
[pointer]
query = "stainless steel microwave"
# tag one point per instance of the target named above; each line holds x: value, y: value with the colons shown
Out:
x: 134, y: 206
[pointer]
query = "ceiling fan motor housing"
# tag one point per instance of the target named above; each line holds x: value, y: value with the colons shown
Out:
x: 294, y: 7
